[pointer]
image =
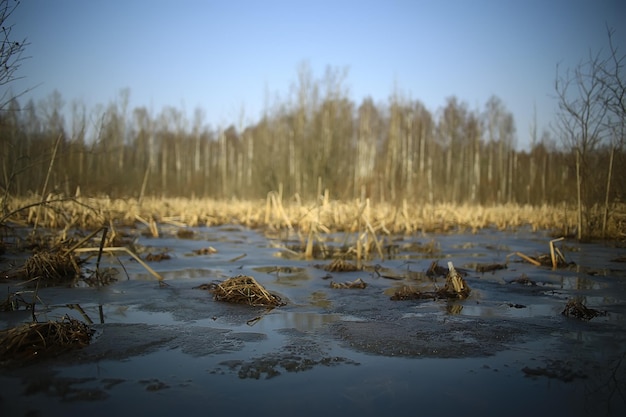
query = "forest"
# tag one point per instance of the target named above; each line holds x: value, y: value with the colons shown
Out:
x: 316, y: 139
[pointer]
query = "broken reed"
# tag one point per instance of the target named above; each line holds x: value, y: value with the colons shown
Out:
x: 308, y: 219
x: 454, y: 288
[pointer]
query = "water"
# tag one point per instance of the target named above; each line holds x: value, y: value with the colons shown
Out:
x: 506, y: 349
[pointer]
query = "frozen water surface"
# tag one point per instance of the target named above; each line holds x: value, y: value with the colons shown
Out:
x: 505, y: 350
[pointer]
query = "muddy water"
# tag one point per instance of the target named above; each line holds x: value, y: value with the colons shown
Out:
x: 506, y: 349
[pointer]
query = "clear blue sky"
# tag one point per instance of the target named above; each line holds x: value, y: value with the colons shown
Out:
x: 224, y: 56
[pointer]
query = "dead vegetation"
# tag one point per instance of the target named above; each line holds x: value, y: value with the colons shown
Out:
x: 244, y: 289
x: 455, y: 287
x: 52, y: 268
x: 47, y: 268
x: 157, y: 257
x: 17, y: 300
x: 209, y: 250
x: 50, y: 263
x: 482, y: 268
x: 356, y: 284
x: 575, y: 308
x: 58, y: 212
x: 554, y: 258
x: 57, y: 262
x: 523, y: 280
x: 34, y: 341
x: 340, y: 265
x: 435, y: 270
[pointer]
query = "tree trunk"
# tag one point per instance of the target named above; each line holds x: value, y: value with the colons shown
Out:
x: 608, y: 189
x: 579, y: 197
x: 163, y: 167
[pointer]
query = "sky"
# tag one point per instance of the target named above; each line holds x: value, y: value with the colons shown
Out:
x: 233, y: 57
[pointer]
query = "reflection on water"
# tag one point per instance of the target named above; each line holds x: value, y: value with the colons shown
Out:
x: 301, y: 321
x: 511, y: 310
x: 319, y: 299
x: 580, y: 283
x: 454, y: 308
x: 134, y: 314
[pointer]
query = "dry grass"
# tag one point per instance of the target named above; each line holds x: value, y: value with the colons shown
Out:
x: 339, y: 265
x: 34, y: 341
x: 306, y: 219
x: 52, y: 267
x: 244, y: 289
x: 356, y: 284
x: 576, y: 308
x: 47, y: 268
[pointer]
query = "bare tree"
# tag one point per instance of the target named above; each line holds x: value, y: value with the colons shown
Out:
x: 452, y: 135
x: 581, y: 121
x: 500, y: 131
x: 610, y: 73
x: 367, y: 132
x: 11, y: 57
x: 11, y: 52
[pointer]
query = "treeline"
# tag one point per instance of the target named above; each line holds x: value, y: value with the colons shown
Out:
x: 316, y: 139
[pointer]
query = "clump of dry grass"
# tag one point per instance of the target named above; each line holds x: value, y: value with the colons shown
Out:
x: 575, y: 308
x: 244, y: 289
x: 356, y: 284
x: 157, y: 257
x: 35, y: 341
x: 51, y: 268
x: 59, y: 264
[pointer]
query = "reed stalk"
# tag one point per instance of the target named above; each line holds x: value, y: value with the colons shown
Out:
x: 333, y: 216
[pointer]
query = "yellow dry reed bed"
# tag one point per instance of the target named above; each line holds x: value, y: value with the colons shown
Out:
x: 322, y: 216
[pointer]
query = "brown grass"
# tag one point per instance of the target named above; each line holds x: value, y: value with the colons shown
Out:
x: 244, y: 289
x: 34, y: 341
x: 48, y: 268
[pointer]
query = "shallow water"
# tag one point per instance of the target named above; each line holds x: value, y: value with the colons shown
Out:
x: 506, y: 349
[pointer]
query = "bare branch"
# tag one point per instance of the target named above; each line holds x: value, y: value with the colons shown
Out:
x: 582, y: 110
x: 11, y: 52
x: 611, y: 74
